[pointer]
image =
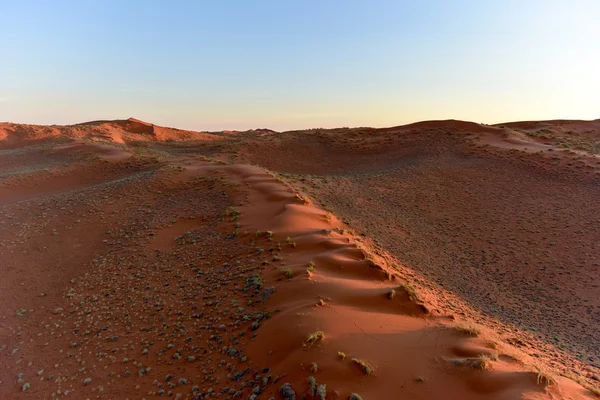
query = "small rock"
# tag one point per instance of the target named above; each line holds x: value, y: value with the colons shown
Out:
x: 287, y: 392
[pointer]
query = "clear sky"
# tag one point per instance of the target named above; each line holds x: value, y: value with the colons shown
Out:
x: 283, y: 64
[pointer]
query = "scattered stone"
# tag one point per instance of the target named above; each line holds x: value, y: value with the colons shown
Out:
x: 287, y: 392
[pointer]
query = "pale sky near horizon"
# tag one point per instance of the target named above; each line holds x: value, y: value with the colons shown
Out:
x: 213, y: 65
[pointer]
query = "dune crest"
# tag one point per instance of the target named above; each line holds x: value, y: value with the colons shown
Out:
x: 326, y: 281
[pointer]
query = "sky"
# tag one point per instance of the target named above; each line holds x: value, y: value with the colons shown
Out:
x: 284, y: 64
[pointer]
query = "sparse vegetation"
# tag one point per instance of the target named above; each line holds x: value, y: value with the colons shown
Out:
x: 314, y: 368
x: 467, y: 329
x: 371, y: 263
x: 411, y: 291
x: 354, y: 396
x: 544, y: 378
x: 288, y: 273
x: 542, y: 134
x: 391, y: 294
x: 312, y: 385
x: 255, y: 281
x: 482, y: 362
x: 314, y: 338
x: 303, y: 199
x: 579, y: 143
x: 322, y: 391
x: 311, y: 266
x: 365, y: 368
x: 290, y: 242
x: 232, y: 213
x: 342, y: 355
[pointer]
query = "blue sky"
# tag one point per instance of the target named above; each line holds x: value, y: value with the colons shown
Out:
x: 212, y: 65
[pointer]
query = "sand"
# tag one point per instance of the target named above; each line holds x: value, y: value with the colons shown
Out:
x: 142, y: 262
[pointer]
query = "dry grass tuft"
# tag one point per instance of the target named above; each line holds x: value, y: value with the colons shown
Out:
x: 312, y: 386
x: 303, y: 199
x: 483, y: 362
x: 468, y: 330
x: 365, y: 368
x: 544, y: 378
x: 314, y: 338
x: 412, y: 292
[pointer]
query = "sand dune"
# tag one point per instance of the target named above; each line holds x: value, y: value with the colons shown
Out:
x: 435, y: 260
x: 127, y: 131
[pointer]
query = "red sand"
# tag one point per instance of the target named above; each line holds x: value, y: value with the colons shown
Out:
x: 139, y: 269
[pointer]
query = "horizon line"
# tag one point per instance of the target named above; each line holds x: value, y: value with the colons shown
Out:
x: 303, y: 129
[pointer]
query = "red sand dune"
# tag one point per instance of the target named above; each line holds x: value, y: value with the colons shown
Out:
x: 121, y: 131
x: 136, y: 269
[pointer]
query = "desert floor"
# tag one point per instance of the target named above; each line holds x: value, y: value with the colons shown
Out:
x: 437, y: 260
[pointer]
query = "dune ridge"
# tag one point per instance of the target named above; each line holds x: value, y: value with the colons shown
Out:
x: 334, y: 286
